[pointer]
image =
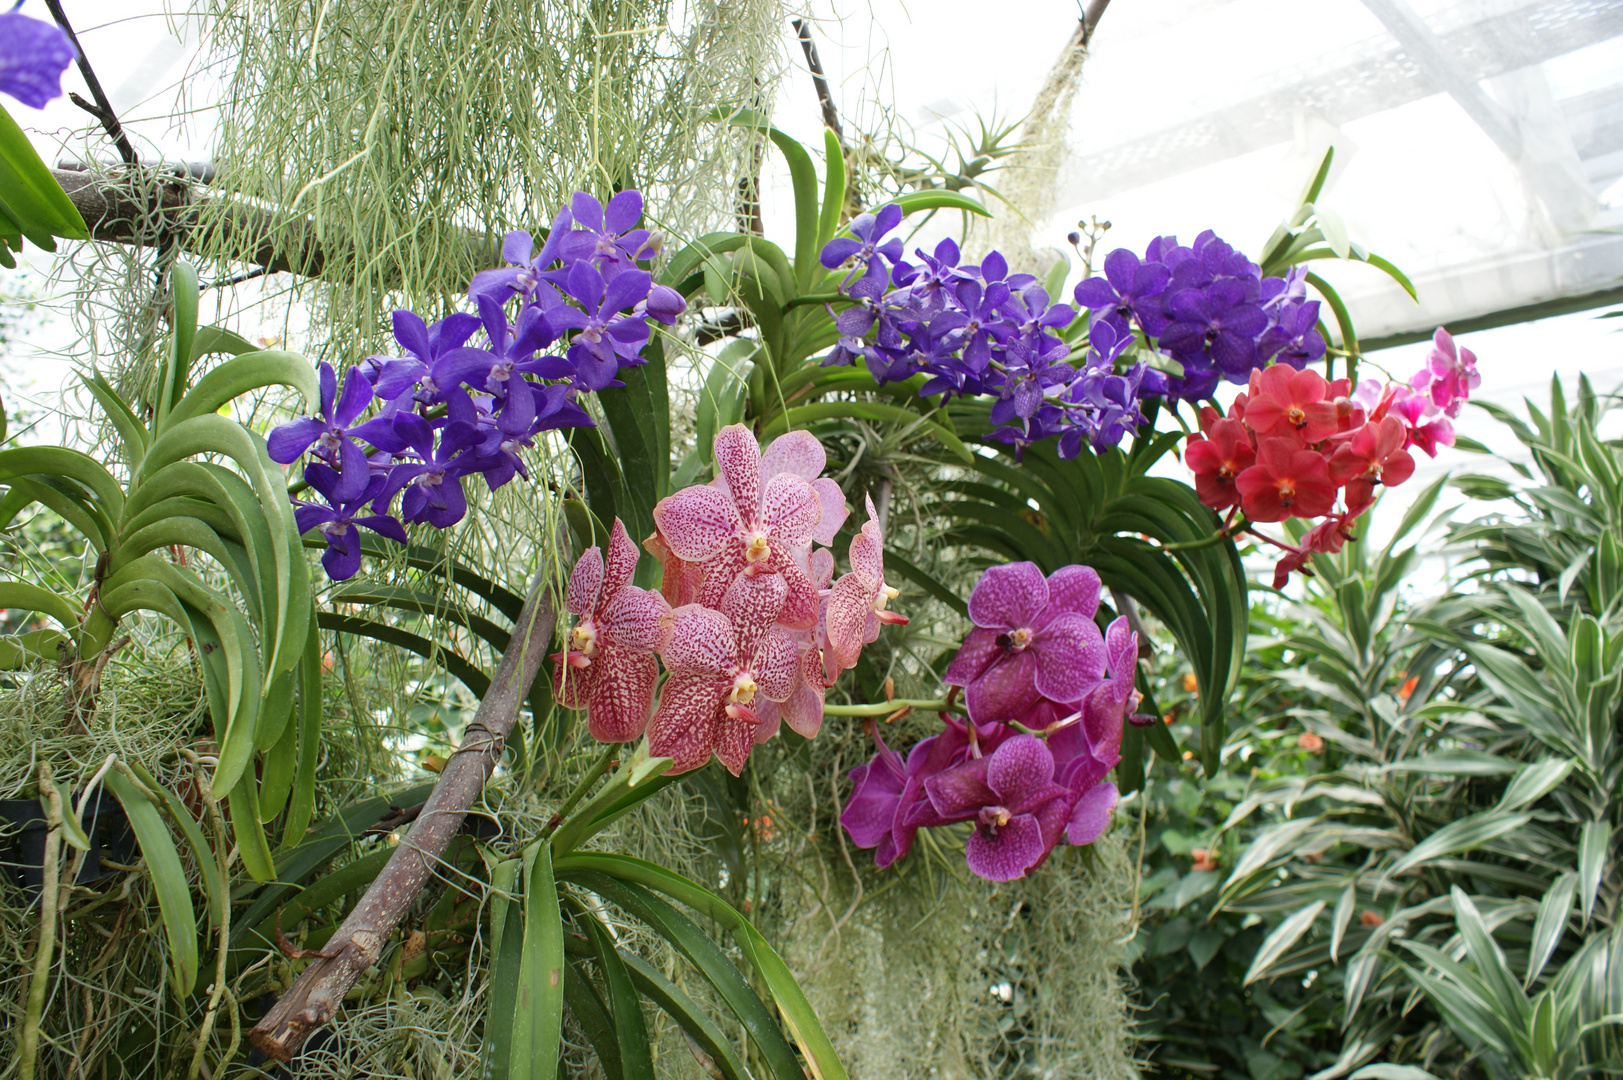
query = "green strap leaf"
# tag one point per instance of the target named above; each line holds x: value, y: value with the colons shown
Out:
x: 167, y: 874
x: 704, y: 1032
x: 796, y: 1011
x: 202, y: 852
x: 251, y: 371
x: 26, y: 597
x: 537, y: 1024
x: 630, y: 1029
x: 30, y: 197
x: 705, y: 955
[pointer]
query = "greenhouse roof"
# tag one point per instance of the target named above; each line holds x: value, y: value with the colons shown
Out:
x: 1479, y: 144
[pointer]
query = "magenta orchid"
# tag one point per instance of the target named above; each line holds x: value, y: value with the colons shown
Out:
x: 1032, y: 768
x: 608, y: 664
x: 1011, y: 796
x: 1034, y: 638
x: 1449, y: 375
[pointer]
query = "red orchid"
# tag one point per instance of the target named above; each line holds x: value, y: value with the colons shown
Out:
x: 1374, y: 455
x: 1283, y: 398
x: 1287, y: 481
x: 1218, y: 459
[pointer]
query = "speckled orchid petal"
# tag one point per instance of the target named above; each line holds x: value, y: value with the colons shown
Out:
x: 800, y: 606
x: 1008, y: 597
x: 1007, y: 853
x: 623, y: 696
x: 797, y: 453
x: 846, y: 615
x: 637, y: 619
x: 697, y: 522
x: 820, y: 568
x: 751, y: 605
x: 685, y: 726
x: 572, y: 686
x: 735, y: 738
x: 1091, y: 816
x: 1004, y: 691
x: 789, y: 509
x: 679, y: 579
x: 976, y: 654
x: 776, y: 664
x: 868, y: 549
x: 768, y: 720
x: 835, y: 510
x: 738, y: 463
x: 803, y: 712
x: 622, y: 561
x: 717, y: 573
x: 1070, y: 657
x: 585, y: 583
x: 1073, y: 588
x: 701, y: 642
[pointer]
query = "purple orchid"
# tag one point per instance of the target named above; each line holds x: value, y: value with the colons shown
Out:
x: 33, y: 56
x: 605, y: 339
x: 608, y: 237
x: 433, y: 483
x: 328, y: 436
x: 525, y: 271
x: 340, y: 517
x: 1217, y: 319
x: 1034, y: 638
x: 437, y: 360
x: 1128, y: 292
x: 866, y: 248
x: 1295, y: 338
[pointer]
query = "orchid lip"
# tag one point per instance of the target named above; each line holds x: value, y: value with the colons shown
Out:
x: 583, y: 638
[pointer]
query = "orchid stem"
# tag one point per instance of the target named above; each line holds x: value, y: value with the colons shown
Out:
x: 819, y: 298
x: 885, y: 708
x: 602, y: 765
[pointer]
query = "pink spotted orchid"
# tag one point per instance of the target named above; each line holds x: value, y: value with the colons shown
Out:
x: 803, y: 710
x: 761, y: 511
x: 722, y: 661
x: 856, y: 605
x: 608, y: 664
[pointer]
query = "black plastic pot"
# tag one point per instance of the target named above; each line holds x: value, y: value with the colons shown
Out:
x: 22, y: 845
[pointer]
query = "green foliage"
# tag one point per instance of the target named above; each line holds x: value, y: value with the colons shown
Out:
x: 1464, y: 792
x: 32, y: 203
x: 250, y: 634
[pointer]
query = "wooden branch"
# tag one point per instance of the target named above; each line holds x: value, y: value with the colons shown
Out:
x: 131, y: 207
x: 1090, y: 19
x: 134, y: 206
x: 825, y: 98
x: 315, y: 996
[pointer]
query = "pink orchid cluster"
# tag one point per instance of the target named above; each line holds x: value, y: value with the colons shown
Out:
x: 749, y: 621
x: 1046, y: 695
x: 1294, y: 444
